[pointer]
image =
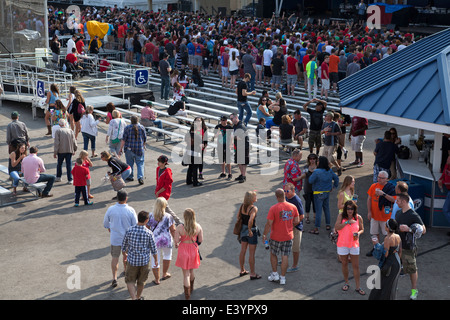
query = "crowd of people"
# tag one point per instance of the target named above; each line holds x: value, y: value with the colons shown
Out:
x: 261, y: 52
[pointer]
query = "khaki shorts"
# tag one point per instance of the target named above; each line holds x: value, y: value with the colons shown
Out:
x: 376, y: 226
x: 297, y: 241
x: 115, y: 251
x: 409, y: 261
x: 329, y: 153
x: 137, y: 274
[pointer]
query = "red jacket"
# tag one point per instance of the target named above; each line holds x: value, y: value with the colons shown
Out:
x: 164, y: 181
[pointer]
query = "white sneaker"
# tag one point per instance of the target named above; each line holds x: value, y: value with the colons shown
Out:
x: 282, y: 280
x: 273, y: 276
x: 58, y: 179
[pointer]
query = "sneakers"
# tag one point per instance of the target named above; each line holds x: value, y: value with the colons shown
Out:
x: 58, y: 179
x: 354, y: 163
x: 282, y: 280
x: 222, y: 175
x: 141, y: 181
x: 361, y: 164
x: 230, y: 176
x: 273, y: 277
x: 414, y: 293
x: 200, y: 176
x: 241, y: 179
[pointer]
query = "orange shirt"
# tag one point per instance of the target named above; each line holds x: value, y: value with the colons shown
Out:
x: 282, y: 214
x: 377, y: 214
x: 333, y: 64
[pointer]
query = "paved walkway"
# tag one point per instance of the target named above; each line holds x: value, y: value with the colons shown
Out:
x: 44, y: 242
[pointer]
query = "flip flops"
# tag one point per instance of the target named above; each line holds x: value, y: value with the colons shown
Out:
x: 243, y: 273
x: 255, y: 277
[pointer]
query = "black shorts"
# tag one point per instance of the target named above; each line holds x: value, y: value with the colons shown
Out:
x: 267, y: 72
x: 334, y: 78
x: 242, y: 159
x: 222, y: 154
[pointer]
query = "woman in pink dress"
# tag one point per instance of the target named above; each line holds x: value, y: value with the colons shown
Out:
x: 187, y: 238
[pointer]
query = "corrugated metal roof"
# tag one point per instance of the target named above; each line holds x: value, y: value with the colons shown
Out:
x: 413, y: 83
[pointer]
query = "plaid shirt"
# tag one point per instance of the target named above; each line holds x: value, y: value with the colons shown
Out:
x: 138, y: 243
x: 131, y: 143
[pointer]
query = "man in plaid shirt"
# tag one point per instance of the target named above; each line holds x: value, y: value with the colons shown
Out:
x: 138, y: 243
x: 133, y: 144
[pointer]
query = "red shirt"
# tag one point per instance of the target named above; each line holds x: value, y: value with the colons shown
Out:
x: 291, y: 65
x: 196, y: 50
x: 305, y: 61
x: 79, y: 174
x: 79, y: 46
x: 282, y: 214
x: 358, y: 123
x: 165, y: 181
x: 324, y: 71
x: 149, y: 48
x: 71, y: 58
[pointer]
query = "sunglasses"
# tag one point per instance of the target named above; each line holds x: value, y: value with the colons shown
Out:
x: 351, y: 208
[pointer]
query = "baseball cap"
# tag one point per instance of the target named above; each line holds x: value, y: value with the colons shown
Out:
x: 15, y: 115
x: 149, y: 103
x: 223, y: 118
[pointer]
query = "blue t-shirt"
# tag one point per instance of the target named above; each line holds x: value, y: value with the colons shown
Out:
x: 191, y: 48
x: 296, y: 201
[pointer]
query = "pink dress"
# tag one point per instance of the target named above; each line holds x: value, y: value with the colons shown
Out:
x: 188, y: 256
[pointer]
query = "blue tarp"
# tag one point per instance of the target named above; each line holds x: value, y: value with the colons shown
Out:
x: 390, y: 8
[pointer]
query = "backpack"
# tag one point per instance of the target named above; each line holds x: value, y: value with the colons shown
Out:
x: 81, y: 109
x: 404, y: 152
x: 198, y: 49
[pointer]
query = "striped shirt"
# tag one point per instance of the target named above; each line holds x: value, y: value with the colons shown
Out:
x: 138, y: 243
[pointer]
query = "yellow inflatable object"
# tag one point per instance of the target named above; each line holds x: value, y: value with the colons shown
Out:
x: 95, y: 28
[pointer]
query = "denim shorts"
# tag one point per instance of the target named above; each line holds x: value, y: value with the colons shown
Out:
x: 246, y: 238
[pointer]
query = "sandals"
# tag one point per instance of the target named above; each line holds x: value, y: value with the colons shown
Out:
x: 167, y: 276
x: 360, y: 291
x: 314, y: 231
x: 255, y: 277
x: 345, y: 287
x: 243, y: 273
x: 307, y: 220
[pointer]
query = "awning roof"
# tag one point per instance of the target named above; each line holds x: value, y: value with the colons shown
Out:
x: 410, y: 87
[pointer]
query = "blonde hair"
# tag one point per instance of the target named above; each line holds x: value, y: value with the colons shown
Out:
x: 89, y: 109
x: 347, y: 181
x: 286, y: 119
x: 115, y: 114
x: 160, y: 208
x: 79, y: 96
x: 248, y: 200
x: 83, y: 153
x: 190, y: 226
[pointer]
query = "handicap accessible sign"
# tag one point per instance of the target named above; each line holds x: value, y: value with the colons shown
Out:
x: 141, y: 77
x: 40, y: 89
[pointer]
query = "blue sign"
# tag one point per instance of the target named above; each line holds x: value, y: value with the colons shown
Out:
x: 40, y: 89
x: 141, y: 77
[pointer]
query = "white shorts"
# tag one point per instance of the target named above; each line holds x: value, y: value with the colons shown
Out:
x: 225, y: 73
x: 166, y: 254
x: 376, y: 226
x: 357, y: 143
x: 325, y: 84
x: 344, y: 251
